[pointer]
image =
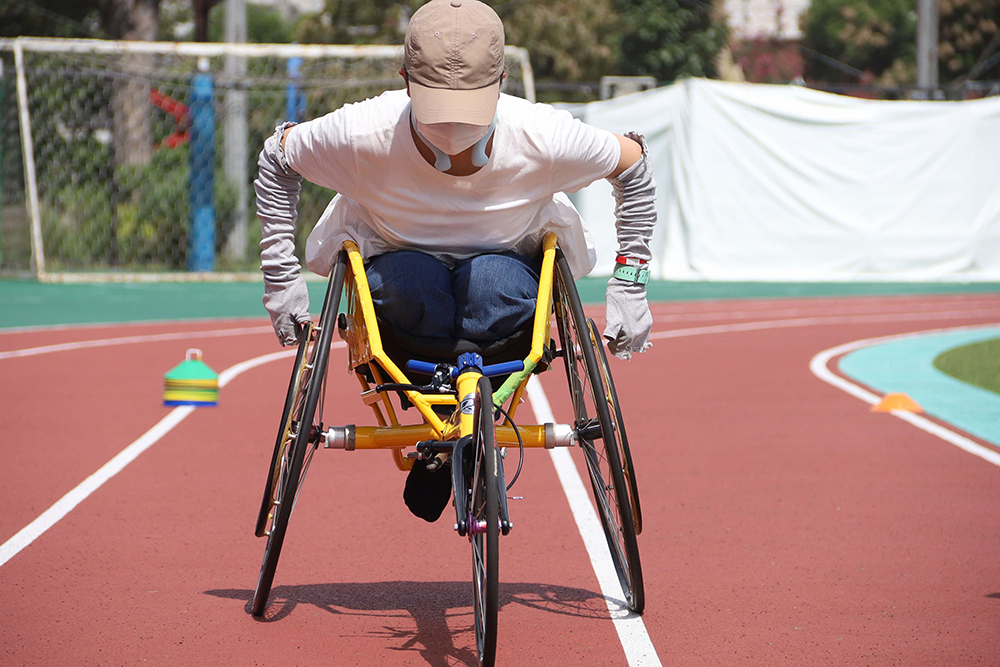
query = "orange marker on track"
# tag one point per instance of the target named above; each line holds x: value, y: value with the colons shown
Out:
x: 898, y: 401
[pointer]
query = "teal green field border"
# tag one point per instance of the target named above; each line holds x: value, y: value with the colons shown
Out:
x: 907, y: 365
x: 30, y: 304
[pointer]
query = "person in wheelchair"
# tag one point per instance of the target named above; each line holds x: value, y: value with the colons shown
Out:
x: 447, y: 187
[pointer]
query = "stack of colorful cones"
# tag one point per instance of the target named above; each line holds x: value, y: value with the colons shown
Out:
x: 191, y: 382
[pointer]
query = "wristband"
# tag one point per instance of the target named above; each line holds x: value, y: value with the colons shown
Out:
x: 631, y: 274
x: 631, y: 261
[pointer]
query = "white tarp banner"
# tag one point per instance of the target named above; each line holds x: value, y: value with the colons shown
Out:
x: 783, y: 183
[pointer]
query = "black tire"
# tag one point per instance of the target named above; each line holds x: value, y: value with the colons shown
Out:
x: 484, y: 525
x: 297, y: 436
x: 602, y: 434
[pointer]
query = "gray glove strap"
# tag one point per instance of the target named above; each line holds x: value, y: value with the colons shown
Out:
x: 635, y: 210
x: 277, y: 187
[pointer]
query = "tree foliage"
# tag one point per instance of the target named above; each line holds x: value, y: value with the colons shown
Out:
x: 358, y: 22
x: 876, y: 38
x: 669, y: 39
x: 568, y: 40
x: 265, y: 25
x: 112, y: 19
x: 969, y: 35
x: 868, y: 36
x: 50, y: 18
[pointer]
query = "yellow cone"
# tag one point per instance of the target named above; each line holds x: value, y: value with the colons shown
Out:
x: 897, y: 402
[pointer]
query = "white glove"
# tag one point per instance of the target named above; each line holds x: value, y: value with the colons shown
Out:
x: 288, y: 306
x: 628, y: 318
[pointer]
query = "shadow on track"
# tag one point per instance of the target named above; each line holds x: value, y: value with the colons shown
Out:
x: 430, y: 604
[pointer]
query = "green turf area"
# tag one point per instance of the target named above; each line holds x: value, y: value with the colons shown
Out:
x: 976, y: 363
x: 28, y: 303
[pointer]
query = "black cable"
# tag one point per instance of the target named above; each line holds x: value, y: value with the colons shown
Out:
x: 520, y: 445
x: 832, y: 62
x: 985, y: 62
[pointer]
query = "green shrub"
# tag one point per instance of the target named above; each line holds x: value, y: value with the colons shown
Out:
x: 136, y: 219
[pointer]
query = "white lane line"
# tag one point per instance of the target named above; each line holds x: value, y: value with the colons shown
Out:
x: 661, y: 315
x: 35, y: 328
x: 639, y: 650
x: 818, y: 365
x: 130, y: 340
x: 819, y: 321
x: 65, y: 505
x: 677, y: 333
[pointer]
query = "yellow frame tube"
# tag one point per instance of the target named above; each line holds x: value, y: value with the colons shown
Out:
x: 375, y: 341
x: 516, y: 383
x: 543, y: 309
x: 401, y: 437
x: 466, y: 386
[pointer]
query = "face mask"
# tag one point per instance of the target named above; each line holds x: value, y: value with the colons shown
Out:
x: 452, y: 138
x: 441, y: 160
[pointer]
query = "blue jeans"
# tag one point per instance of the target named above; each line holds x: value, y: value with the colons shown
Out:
x: 483, y: 299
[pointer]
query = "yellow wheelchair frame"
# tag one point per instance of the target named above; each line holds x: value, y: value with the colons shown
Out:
x: 469, y: 432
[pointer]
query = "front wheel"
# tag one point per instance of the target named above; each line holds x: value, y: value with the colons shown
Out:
x: 484, y: 524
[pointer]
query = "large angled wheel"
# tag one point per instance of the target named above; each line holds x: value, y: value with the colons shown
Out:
x: 602, y: 434
x: 484, y: 524
x: 298, y: 436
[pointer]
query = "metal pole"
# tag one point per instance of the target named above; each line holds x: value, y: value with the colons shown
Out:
x: 201, y: 192
x: 2, y: 86
x: 927, y: 43
x: 30, y: 176
x: 295, y: 103
x: 527, y: 73
x: 236, y: 132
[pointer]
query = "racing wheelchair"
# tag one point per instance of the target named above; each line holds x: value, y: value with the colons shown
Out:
x: 462, y: 416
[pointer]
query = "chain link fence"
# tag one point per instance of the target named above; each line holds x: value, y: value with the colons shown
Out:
x: 136, y: 160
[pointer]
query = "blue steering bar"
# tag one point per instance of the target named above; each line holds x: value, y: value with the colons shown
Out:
x: 468, y: 361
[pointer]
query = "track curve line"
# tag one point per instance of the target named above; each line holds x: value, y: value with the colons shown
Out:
x: 131, y: 340
x: 65, y: 505
x: 819, y: 368
x: 818, y: 321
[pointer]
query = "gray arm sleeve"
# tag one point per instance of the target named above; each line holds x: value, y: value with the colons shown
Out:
x: 286, y: 297
x: 277, y: 188
x: 635, y: 210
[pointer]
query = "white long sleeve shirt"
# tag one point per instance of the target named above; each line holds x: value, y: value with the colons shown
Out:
x: 390, y: 198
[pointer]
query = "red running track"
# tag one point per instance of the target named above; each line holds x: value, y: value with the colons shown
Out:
x: 785, y: 523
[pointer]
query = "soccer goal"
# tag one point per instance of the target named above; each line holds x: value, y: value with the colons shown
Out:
x: 135, y: 160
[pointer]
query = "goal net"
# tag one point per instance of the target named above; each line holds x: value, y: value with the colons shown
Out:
x: 135, y: 160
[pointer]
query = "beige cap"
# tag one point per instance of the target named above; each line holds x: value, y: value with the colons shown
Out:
x: 453, y: 55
